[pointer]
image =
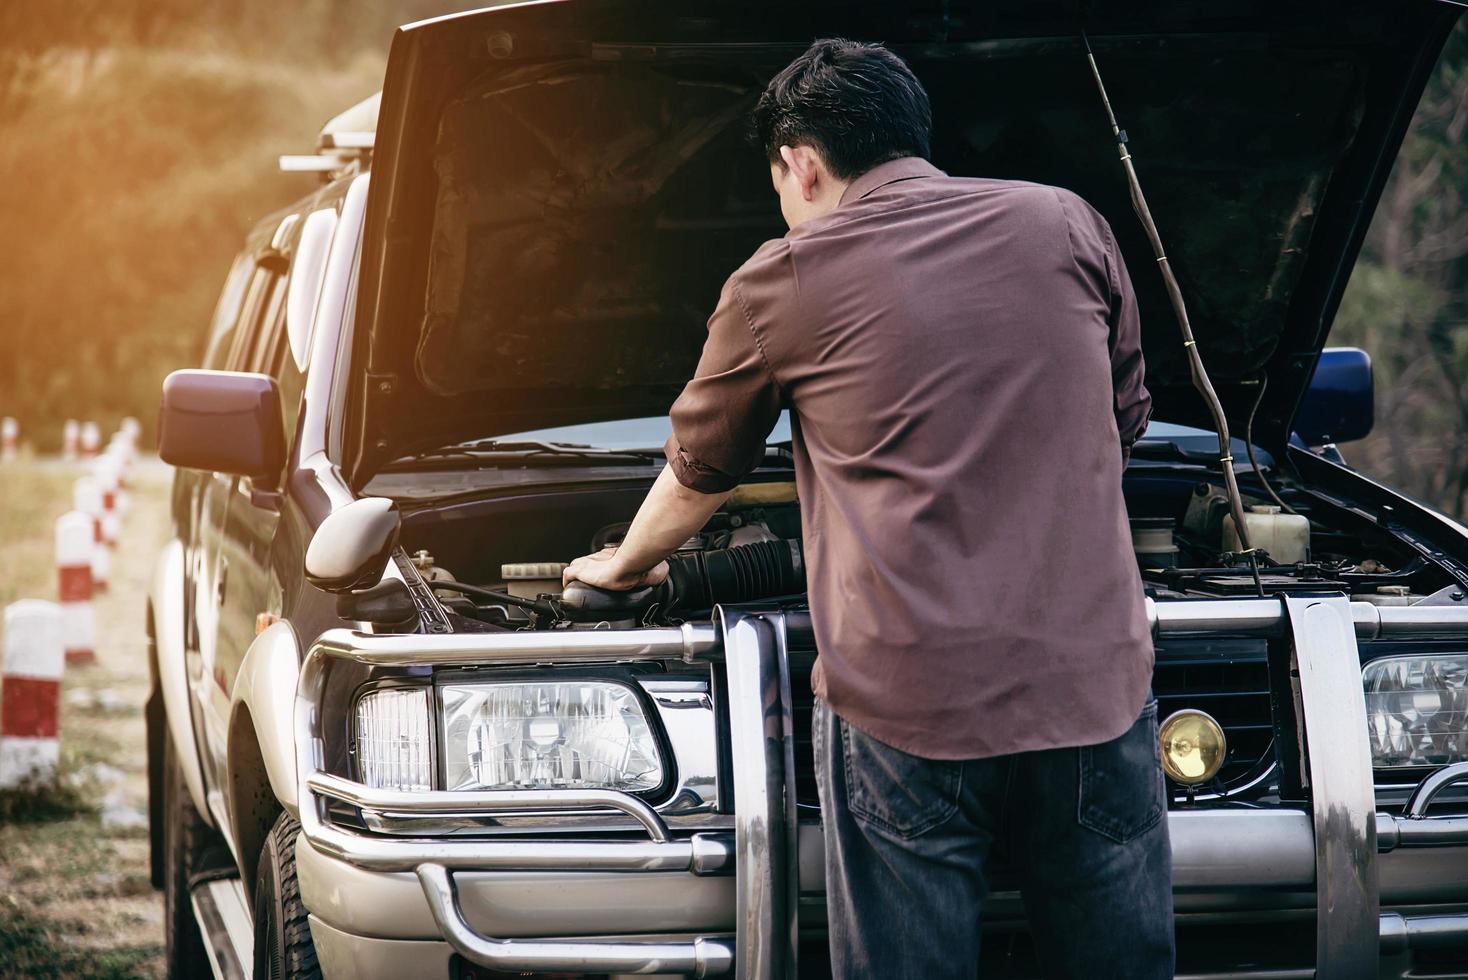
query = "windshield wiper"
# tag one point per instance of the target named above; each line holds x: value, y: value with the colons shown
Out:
x: 488, y: 453
x: 493, y: 452
x: 532, y: 447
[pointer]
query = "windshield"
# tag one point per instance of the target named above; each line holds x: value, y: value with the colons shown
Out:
x: 525, y: 457
x: 652, y: 431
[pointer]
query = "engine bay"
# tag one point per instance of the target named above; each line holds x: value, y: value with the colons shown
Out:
x: 1305, y: 545
x: 750, y: 551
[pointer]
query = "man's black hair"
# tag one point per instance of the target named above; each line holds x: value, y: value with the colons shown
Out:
x: 857, y: 104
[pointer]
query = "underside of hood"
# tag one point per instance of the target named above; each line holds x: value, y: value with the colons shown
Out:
x: 561, y: 188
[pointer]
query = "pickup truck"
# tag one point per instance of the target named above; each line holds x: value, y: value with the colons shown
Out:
x: 385, y: 742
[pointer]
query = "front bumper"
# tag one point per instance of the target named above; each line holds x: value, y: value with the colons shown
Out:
x: 732, y: 902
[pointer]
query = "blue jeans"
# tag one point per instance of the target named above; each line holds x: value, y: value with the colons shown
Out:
x: 908, y: 842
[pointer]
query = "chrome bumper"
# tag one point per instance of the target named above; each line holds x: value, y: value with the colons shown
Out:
x: 1332, y: 848
x: 434, y: 860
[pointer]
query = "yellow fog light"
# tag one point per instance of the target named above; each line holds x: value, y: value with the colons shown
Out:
x: 1193, y: 746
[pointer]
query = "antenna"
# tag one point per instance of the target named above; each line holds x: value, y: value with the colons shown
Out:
x: 1180, y: 309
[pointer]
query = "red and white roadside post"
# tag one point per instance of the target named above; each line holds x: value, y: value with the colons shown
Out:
x: 30, y: 693
x: 133, y: 429
x: 86, y: 496
x: 74, y: 546
x: 91, y: 439
x: 107, y: 472
x: 70, y: 440
x: 121, y: 446
x: 120, y: 452
x: 9, y: 439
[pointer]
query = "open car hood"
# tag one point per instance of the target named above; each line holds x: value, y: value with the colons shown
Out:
x: 560, y: 188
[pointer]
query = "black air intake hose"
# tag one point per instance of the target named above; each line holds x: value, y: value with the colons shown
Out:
x: 762, y: 570
x: 700, y: 580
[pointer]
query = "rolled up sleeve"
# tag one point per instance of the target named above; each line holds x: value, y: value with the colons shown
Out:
x: 725, y: 414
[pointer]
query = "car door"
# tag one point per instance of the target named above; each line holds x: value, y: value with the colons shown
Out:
x: 188, y: 496
x: 251, y: 596
x: 215, y: 562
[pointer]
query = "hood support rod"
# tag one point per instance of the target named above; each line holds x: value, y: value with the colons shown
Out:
x: 1175, y: 294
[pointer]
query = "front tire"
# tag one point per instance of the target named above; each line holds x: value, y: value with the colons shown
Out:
x: 283, y: 947
x: 185, y: 837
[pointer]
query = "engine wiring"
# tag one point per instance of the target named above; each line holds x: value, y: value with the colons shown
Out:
x: 1249, y: 448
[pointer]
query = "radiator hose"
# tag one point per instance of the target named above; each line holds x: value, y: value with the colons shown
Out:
x: 700, y: 580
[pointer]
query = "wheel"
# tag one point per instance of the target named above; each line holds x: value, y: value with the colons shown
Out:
x: 283, y: 947
x: 185, y: 838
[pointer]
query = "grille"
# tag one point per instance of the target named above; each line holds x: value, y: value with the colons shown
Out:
x: 802, y: 659
x: 1228, y: 678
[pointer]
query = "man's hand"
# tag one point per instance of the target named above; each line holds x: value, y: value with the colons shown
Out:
x: 665, y: 520
x: 604, y: 571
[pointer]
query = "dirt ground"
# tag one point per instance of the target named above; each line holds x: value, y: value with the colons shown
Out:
x: 75, y: 899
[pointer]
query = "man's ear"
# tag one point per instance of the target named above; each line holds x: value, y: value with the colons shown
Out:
x: 802, y: 160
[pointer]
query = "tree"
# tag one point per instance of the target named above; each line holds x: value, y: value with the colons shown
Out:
x: 1407, y: 302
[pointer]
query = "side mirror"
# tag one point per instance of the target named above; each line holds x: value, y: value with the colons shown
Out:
x: 224, y: 422
x: 351, y: 547
x: 1340, y: 404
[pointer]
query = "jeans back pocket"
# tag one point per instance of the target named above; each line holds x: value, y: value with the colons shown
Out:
x: 901, y: 794
x: 1121, y: 794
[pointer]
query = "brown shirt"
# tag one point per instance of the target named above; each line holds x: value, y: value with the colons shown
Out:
x: 963, y: 367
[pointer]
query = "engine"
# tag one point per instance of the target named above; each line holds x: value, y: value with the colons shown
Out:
x: 1310, y: 548
x: 743, y: 555
x: 750, y: 551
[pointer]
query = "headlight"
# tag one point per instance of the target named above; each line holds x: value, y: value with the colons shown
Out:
x: 1417, y: 710
x: 548, y: 735
x: 393, y: 744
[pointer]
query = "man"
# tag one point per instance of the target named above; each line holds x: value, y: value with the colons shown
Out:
x: 962, y: 364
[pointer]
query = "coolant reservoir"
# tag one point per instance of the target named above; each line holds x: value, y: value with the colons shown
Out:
x: 1286, y: 537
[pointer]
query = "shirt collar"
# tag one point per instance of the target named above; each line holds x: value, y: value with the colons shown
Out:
x: 903, y: 168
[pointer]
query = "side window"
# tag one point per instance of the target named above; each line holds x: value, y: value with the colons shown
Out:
x: 266, y: 329
x: 227, y: 314
x: 272, y: 356
x: 292, y: 381
x: 256, y: 296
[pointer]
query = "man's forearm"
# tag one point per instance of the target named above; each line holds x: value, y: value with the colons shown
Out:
x: 668, y: 517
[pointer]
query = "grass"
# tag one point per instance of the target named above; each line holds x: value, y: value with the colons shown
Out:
x: 32, y: 947
x: 43, y: 802
x: 67, y: 852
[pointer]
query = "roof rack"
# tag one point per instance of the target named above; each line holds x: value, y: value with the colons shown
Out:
x: 344, y: 144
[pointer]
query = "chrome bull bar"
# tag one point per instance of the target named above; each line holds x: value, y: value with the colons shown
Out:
x: 1346, y: 831
x: 1351, y: 931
